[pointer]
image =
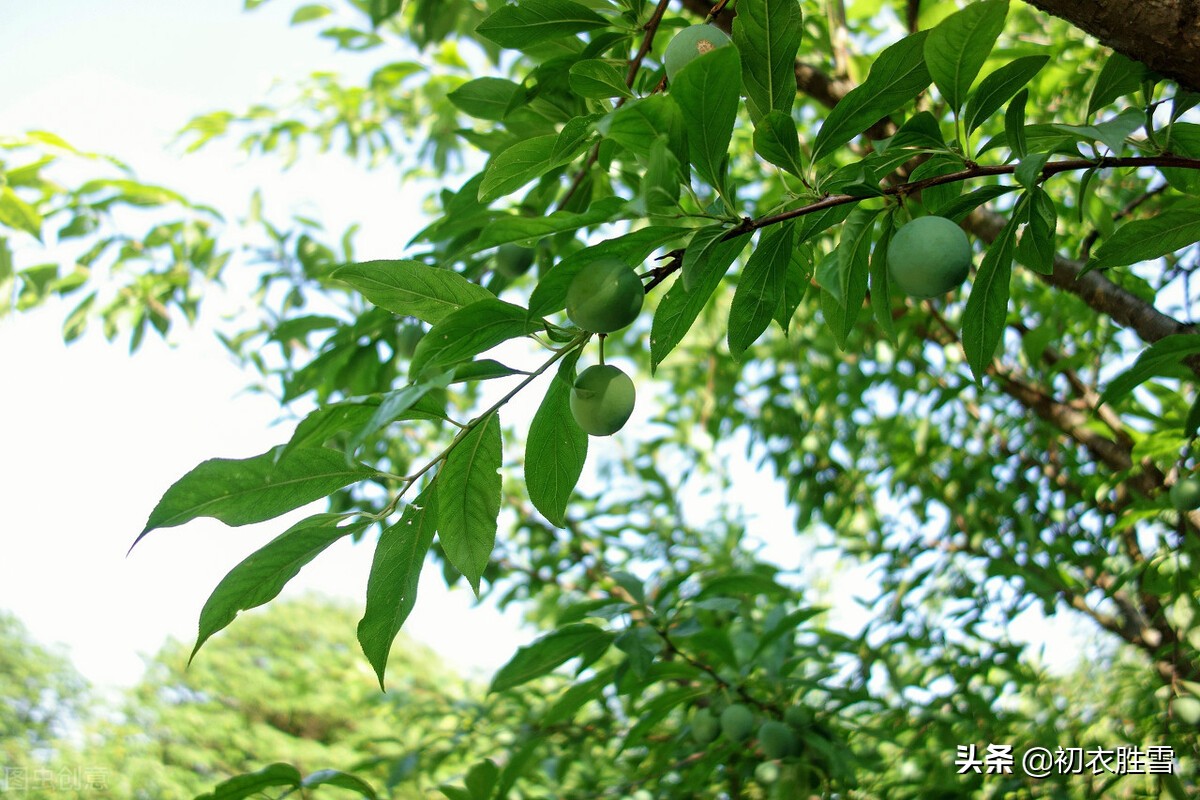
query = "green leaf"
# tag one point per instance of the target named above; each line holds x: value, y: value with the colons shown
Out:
x: 469, y: 499
x: 342, y: 780
x: 395, y: 575
x: 768, y: 33
x: 467, y: 333
x: 1146, y: 239
x: 533, y: 21
x: 395, y: 405
x: 898, y: 75
x: 252, y: 783
x: 1029, y: 172
x: 382, y: 10
x: 516, y: 228
x: 19, y: 215
x: 759, y: 288
x: 410, y: 288
x: 881, y: 290
x: 795, y: 285
x: 1159, y: 358
x: 481, y: 779
x: 853, y: 254
x: 598, y: 79
x: 958, y: 47
x: 556, y: 448
x: 998, y: 87
x: 1036, y: 246
x: 485, y: 98
x: 550, y: 651
x: 777, y: 141
x: 1192, y: 423
x: 516, y: 166
x: 743, y: 584
x: 638, y: 124
x: 958, y: 208
x: 695, y: 261
x: 987, y: 307
x: 242, y: 491
x: 261, y: 576
x: 1118, y: 77
x: 1014, y: 123
x: 679, y: 307
x: 659, y: 188
x: 707, y: 91
x: 1112, y: 133
x: 308, y: 13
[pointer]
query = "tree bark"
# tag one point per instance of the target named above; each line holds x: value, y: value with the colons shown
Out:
x: 1162, y: 34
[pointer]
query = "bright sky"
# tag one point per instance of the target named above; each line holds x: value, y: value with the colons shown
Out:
x: 92, y: 437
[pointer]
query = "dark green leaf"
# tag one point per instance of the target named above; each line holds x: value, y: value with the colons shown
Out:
x: 958, y: 208
x: 637, y: 125
x: 777, y: 141
x: 469, y: 499
x: 395, y: 575
x: 242, y: 491
x: 759, y: 288
x: 1112, y: 132
x: 881, y: 291
x: 1192, y: 424
x: 767, y: 33
x: 516, y: 228
x: 795, y: 286
x: 382, y: 10
x: 1036, y: 246
x: 707, y: 91
x: 854, y: 251
x: 252, y: 783
x: 550, y: 651
x: 1014, y: 123
x: 485, y: 98
x: 533, y: 21
x: 898, y: 75
x: 516, y: 166
x: 1118, y: 77
x: 680, y: 307
x: 1029, y: 172
x: 467, y: 333
x: 395, y: 405
x: 1157, y: 359
x: 987, y: 307
x: 742, y: 584
x: 1146, y: 239
x: 998, y: 87
x: 960, y: 44
x: 411, y: 288
x: 599, y: 79
x: 262, y: 575
x: 342, y: 780
x: 556, y: 447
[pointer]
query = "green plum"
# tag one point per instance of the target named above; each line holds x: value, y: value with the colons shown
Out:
x: 705, y: 726
x: 602, y: 399
x: 737, y: 722
x: 928, y: 257
x: 605, y: 296
x: 513, y: 261
x: 691, y: 43
x: 776, y: 739
x: 1185, y: 493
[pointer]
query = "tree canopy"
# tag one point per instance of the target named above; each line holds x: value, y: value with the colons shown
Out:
x: 1005, y: 445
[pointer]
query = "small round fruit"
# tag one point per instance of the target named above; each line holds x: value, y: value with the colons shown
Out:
x: 602, y: 399
x: 737, y: 722
x: 1185, y: 494
x: 797, y: 716
x: 513, y: 261
x: 928, y: 257
x: 776, y: 739
x: 766, y: 773
x: 691, y: 43
x: 705, y: 726
x: 605, y: 296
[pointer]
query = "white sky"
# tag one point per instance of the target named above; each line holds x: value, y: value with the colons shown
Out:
x: 92, y: 437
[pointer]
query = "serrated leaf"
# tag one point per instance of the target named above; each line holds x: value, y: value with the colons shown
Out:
x: 898, y: 75
x: 467, y: 333
x: 410, y: 288
x: 998, y: 87
x: 598, y: 79
x: 1118, y: 77
x: 768, y: 33
x: 960, y: 44
x: 1146, y: 239
x: 469, y: 499
x: 680, y: 306
x: 249, y: 784
x: 243, y: 491
x: 556, y: 448
x: 1157, y: 359
x: 261, y: 576
x: 695, y: 258
x: 533, y: 21
x: 759, y: 288
x: 987, y: 306
x: 395, y: 576
x: 777, y: 141
x: 516, y: 166
x: 550, y: 651
x: 707, y: 91
x: 485, y: 98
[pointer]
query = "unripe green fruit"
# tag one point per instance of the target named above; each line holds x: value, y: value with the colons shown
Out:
x: 928, y: 257
x: 766, y: 773
x: 691, y: 43
x: 737, y: 722
x: 797, y: 716
x: 513, y: 261
x: 1185, y: 494
x: 776, y: 739
x: 705, y: 726
x: 605, y: 296
x: 602, y: 399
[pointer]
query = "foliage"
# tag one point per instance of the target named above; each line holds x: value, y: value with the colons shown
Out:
x: 981, y: 451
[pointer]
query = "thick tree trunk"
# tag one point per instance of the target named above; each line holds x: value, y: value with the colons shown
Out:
x: 1163, y: 34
